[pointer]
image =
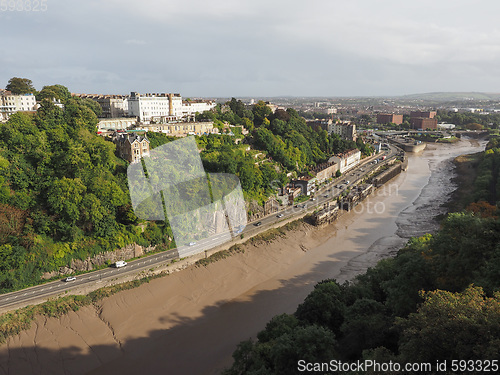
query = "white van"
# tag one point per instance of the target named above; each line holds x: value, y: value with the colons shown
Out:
x: 120, y: 263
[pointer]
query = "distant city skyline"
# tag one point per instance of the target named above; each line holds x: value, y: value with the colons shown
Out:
x: 320, y: 48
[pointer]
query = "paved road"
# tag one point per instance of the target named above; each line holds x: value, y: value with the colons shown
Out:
x: 325, y: 194
x: 59, y: 286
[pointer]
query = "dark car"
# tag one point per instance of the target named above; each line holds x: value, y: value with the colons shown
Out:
x: 258, y: 224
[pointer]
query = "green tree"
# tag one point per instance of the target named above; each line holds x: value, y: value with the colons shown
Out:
x: 58, y: 92
x: 64, y: 198
x: 312, y: 344
x: 278, y: 326
x: 452, y: 326
x: 323, y: 306
x: 261, y: 111
x: 367, y: 325
x: 18, y: 86
x: 461, y: 249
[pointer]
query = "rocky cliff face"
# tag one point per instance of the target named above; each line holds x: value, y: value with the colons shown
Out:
x: 77, y: 265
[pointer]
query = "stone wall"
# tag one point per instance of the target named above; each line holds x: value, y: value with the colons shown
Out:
x: 78, y: 265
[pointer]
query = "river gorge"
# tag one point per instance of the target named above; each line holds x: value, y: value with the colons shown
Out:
x: 191, y: 321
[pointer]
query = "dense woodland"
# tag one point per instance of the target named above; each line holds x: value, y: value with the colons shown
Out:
x: 63, y: 190
x: 438, y: 299
x: 63, y: 193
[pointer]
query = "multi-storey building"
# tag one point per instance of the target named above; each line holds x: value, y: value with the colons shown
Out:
x: 319, y: 124
x: 10, y: 104
x: 422, y: 123
x: 345, y: 129
x: 423, y: 120
x: 386, y: 118
x: 191, y: 107
x: 346, y: 160
x: 132, y: 147
x: 307, y: 184
x: 324, y: 171
x: 113, y: 106
x: 182, y: 129
x: 113, y: 124
x: 424, y: 114
x: 149, y: 108
x: 156, y: 108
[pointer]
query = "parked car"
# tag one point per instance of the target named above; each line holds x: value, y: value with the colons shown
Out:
x: 192, y: 243
x: 280, y: 215
x: 71, y: 278
x: 258, y: 224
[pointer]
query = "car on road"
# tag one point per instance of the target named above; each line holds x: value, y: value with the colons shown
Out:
x: 192, y: 243
x: 325, y: 196
x: 313, y: 199
x: 347, y: 182
x: 258, y: 224
x: 71, y: 278
x: 280, y: 215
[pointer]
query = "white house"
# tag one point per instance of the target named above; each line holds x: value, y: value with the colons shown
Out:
x: 347, y: 160
x: 10, y: 104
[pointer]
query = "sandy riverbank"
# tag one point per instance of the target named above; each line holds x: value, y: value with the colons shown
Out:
x: 190, y: 322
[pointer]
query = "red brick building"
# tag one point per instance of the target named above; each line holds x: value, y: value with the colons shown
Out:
x: 424, y: 114
x: 386, y: 118
x: 423, y: 120
x: 423, y: 123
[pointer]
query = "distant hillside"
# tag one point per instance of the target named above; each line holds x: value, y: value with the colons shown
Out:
x: 452, y: 96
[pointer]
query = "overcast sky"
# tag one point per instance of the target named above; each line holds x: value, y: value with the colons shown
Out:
x: 255, y: 47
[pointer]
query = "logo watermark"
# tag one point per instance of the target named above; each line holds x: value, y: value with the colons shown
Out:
x: 357, y: 202
x: 23, y: 5
x: 455, y: 366
x: 204, y: 210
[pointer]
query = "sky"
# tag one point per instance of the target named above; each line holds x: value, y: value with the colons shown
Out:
x: 252, y: 48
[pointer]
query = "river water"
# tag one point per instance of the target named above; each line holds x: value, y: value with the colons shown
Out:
x: 425, y: 188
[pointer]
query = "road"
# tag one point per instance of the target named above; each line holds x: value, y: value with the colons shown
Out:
x: 326, y: 193
x: 56, y: 287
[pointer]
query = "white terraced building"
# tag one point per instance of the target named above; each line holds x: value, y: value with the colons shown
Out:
x: 190, y: 107
x: 346, y: 160
x: 155, y: 107
x: 162, y: 108
x: 10, y: 104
